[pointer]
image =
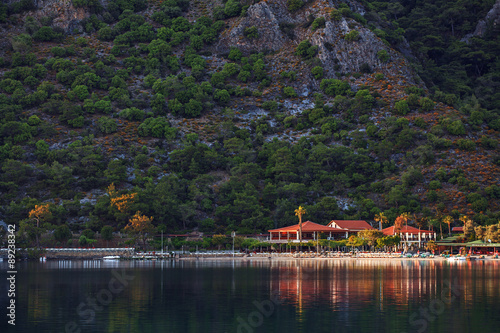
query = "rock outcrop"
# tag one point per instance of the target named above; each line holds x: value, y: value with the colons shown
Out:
x: 335, y: 52
x: 64, y: 14
x: 267, y: 19
x: 493, y: 17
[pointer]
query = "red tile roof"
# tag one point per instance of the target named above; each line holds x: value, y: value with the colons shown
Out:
x: 406, y: 229
x: 308, y: 226
x: 458, y: 229
x: 352, y: 225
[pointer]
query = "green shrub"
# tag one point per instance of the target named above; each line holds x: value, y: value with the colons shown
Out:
x: 294, y: 5
x: 434, y: 184
x: 222, y: 96
x: 318, y: 23
x: 31, y: 81
x: 106, y: 34
x: 456, y: 128
x: 291, y: 75
x: 420, y: 122
x: 335, y: 14
x: 34, y: 120
x: 379, y: 76
x: 22, y: 43
x: 383, y: 55
x: 426, y: 104
x: 235, y: 54
x: 289, y: 92
x: 351, y: 36
x: 365, y: 68
x: 157, y: 128
x: 230, y: 69
x: 81, y: 91
x: 193, y: 108
x: 103, y: 106
x: 132, y: 114
x: 317, y: 72
x: 251, y: 32
x: 466, y: 144
x: 10, y: 85
x: 196, y: 42
x: 106, y: 125
x: 244, y: 76
x: 232, y: 8
x: 334, y: 87
x: 401, y: 107
x: 358, y: 17
x: 58, y: 51
x: 489, y: 143
x: 46, y: 34
x: 270, y: 105
x: 364, y: 100
x: 411, y: 177
x: 306, y: 50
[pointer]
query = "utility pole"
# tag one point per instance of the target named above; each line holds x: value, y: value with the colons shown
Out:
x: 233, y: 234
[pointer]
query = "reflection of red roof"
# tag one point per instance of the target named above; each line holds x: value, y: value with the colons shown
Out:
x: 457, y: 229
x: 406, y: 229
x: 308, y: 226
x: 351, y: 225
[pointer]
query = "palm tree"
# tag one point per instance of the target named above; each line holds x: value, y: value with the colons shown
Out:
x: 380, y: 217
x: 299, y: 212
x: 448, y: 219
x: 405, y: 217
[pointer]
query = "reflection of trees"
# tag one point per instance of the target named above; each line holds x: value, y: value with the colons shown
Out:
x: 341, y: 283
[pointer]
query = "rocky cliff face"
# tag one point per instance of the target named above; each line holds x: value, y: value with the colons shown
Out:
x: 493, y: 17
x: 64, y: 14
x: 335, y: 52
x: 267, y: 19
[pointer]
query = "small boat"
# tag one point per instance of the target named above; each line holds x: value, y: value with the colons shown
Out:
x: 458, y: 258
x: 111, y: 258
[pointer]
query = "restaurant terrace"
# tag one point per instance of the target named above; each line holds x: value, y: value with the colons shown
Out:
x: 310, y: 231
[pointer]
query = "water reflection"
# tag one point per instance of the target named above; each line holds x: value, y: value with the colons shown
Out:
x: 355, y: 283
x: 343, y: 295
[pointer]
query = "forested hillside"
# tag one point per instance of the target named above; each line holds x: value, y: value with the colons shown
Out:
x: 222, y: 116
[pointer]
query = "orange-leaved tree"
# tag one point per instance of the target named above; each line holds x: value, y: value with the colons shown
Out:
x: 39, y: 213
x: 140, y: 225
x: 398, y: 224
x: 123, y: 202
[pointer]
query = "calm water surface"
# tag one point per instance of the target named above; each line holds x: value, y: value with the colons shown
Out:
x: 343, y: 295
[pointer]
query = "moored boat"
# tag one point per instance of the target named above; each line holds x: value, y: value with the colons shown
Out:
x: 111, y: 257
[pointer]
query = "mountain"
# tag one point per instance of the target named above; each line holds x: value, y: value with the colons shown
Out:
x: 222, y: 116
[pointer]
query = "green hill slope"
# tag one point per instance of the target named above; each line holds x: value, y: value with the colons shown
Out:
x: 228, y: 116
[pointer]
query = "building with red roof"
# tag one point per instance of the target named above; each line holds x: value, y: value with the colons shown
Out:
x: 352, y: 226
x: 310, y: 231
x: 411, y: 235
